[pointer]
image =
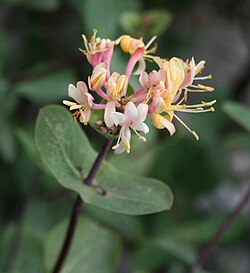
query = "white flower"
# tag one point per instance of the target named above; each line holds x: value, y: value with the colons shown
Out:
x: 117, y: 87
x: 133, y: 118
x: 84, y: 102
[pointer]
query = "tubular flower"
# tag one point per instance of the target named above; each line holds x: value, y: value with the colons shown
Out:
x: 98, y: 50
x: 162, y: 93
x: 132, y: 118
x: 165, y: 97
x: 116, y: 88
x: 191, y: 70
x: 84, y: 102
x: 98, y: 77
x: 138, y: 51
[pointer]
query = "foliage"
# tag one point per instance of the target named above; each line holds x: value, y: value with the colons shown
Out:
x: 38, y: 41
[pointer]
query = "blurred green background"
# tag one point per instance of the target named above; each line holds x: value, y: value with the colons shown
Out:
x: 39, y: 57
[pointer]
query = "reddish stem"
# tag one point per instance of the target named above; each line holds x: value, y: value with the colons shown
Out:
x: 77, y: 208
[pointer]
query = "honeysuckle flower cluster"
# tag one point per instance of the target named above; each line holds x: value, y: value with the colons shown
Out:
x: 163, y: 92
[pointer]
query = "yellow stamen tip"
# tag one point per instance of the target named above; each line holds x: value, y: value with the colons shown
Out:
x: 115, y: 147
x: 142, y: 139
x: 206, y: 88
x: 212, y: 109
x: 127, y: 147
x: 195, y: 135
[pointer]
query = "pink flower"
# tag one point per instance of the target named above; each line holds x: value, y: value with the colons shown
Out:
x: 98, y: 77
x: 133, y: 118
x: 98, y: 50
x: 116, y: 88
x: 152, y: 79
x: 138, y: 51
x: 84, y: 102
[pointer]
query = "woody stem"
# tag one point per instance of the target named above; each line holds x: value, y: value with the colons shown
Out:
x: 77, y: 208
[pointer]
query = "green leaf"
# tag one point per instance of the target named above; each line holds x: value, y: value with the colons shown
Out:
x: 104, y: 15
x: 47, y: 89
x: 201, y: 231
x: 97, y: 116
x: 239, y: 113
x: 156, y: 252
x: 180, y: 250
x: 94, y: 249
x: 65, y: 150
x: 148, y: 257
x: 146, y: 24
x: 129, y: 226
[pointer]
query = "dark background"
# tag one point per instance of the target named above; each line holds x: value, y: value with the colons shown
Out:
x: 39, y: 57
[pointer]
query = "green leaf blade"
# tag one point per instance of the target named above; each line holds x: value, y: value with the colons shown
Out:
x: 239, y: 113
x: 94, y: 249
x: 67, y: 153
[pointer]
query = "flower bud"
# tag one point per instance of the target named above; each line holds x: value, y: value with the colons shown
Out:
x: 98, y: 76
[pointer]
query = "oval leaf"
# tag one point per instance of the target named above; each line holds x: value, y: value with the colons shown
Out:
x: 94, y: 249
x: 239, y: 113
x: 39, y: 90
x: 67, y: 153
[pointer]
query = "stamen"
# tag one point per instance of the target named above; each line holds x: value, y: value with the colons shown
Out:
x: 74, y: 107
x: 196, y: 110
x: 204, y: 77
x: 150, y: 42
x: 206, y: 88
x: 127, y: 147
x: 116, y: 146
x: 140, y: 136
x: 85, y: 43
x: 68, y: 103
x: 185, y: 125
x: 118, y: 140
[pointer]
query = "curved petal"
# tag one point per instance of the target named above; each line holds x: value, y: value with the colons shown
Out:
x: 130, y: 111
x: 120, y: 149
x: 175, y: 75
x: 87, y: 113
x: 126, y: 135
x: 141, y: 67
x: 153, y: 77
x: 143, y: 79
x: 89, y: 99
x: 83, y: 118
x: 169, y: 126
x: 82, y: 87
x: 142, y: 111
x: 140, y: 126
x: 118, y: 118
x: 74, y: 93
x: 161, y: 122
x: 110, y: 108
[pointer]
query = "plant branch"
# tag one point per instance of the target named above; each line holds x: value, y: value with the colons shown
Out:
x: 77, y: 208
x: 205, y: 253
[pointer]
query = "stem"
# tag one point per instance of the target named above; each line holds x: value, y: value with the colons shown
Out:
x: 132, y: 61
x: 77, y: 208
x: 202, y: 258
x: 102, y: 94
